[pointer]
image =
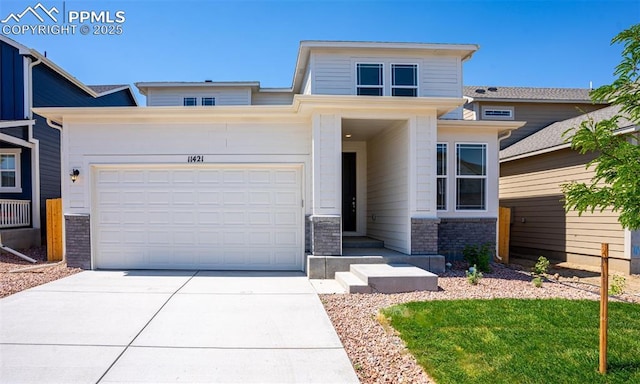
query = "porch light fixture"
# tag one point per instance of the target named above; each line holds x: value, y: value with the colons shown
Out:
x: 348, y: 135
x: 74, y: 175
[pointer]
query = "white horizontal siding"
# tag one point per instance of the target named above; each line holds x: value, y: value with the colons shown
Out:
x: 272, y: 98
x: 388, y: 188
x: 174, y: 96
x: 334, y: 73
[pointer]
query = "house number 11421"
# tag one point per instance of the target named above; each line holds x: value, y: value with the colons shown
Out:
x: 195, y: 159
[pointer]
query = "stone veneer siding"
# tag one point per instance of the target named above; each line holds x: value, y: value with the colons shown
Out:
x: 424, y: 236
x: 307, y: 234
x: 326, y: 236
x: 78, y: 241
x: 454, y: 234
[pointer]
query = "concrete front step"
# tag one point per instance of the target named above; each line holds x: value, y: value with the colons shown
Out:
x: 395, y: 278
x: 352, y: 283
x: 325, y: 267
x: 361, y: 242
x: 386, y: 278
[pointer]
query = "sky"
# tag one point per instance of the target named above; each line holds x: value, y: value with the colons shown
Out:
x: 522, y: 43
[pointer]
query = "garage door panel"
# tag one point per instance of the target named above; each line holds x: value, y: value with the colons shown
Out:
x: 237, y: 217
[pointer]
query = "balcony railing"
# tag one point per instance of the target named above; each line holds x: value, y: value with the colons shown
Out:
x: 15, y: 213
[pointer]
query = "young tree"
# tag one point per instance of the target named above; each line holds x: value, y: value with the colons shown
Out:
x: 616, y: 183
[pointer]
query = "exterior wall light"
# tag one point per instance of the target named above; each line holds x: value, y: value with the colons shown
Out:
x: 74, y: 175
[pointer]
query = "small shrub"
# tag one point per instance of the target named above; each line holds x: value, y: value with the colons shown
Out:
x: 473, y: 275
x: 537, y: 282
x: 541, y: 267
x: 617, y: 285
x: 479, y: 256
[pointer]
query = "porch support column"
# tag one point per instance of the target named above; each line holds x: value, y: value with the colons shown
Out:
x: 423, y: 136
x: 326, y: 222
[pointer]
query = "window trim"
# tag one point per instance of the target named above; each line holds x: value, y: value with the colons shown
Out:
x: 185, y: 98
x: 485, y: 177
x: 17, y: 152
x: 208, y: 97
x: 416, y: 87
x: 445, y: 177
x: 486, y: 108
x: 382, y: 77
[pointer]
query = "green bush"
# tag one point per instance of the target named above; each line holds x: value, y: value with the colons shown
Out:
x: 473, y: 275
x: 478, y: 256
x: 541, y: 267
x: 537, y: 282
x: 617, y: 285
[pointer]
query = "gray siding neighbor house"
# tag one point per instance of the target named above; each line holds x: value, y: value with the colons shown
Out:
x: 539, y: 107
x: 29, y: 147
x: 531, y: 174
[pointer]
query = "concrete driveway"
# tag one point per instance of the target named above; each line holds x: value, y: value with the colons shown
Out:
x: 170, y: 327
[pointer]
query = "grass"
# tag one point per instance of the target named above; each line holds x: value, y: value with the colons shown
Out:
x: 519, y: 341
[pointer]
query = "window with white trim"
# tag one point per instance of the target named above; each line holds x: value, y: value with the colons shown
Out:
x: 208, y: 101
x: 190, y: 101
x: 497, y: 113
x: 10, y: 170
x: 404, y: 80
x: 369, y: 79
x: 471, y: 177
x: 441, y: 178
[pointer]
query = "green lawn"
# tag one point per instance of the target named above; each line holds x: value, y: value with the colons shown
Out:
x: 519, y: 341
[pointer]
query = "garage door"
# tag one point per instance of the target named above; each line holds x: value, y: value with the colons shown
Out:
x: 210, y: 217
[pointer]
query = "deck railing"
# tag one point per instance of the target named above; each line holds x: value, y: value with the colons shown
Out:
x: 15, y: 213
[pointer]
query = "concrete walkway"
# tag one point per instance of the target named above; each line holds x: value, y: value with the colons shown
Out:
x: 170, y: 327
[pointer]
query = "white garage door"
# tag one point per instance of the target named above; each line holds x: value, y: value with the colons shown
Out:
x: 246, y: 217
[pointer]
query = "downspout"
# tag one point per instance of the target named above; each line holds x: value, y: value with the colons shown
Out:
x: 500, y: 138
x: 35, y: 152
x: 64, y: 255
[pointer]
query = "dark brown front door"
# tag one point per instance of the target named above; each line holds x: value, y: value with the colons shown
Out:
x: 349, y: 192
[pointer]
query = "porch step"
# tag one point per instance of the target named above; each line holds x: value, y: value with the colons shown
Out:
x: 361, y: 242
x: 352, y: 283
x: 394, y: 278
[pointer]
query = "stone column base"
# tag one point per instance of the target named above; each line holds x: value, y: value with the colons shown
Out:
x: 326, y: 235
x: 78, y: 241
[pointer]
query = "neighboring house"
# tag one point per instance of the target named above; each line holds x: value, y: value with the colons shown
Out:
x: 368, y: 140
x: 531, y: 173
x: 29, y: 148
x: 539, y: 107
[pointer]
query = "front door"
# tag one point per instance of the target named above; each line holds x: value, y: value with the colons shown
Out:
x: 349, y: 192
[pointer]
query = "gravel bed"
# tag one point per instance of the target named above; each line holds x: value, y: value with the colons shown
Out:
x: 11, y: 283
x: 379, y: 356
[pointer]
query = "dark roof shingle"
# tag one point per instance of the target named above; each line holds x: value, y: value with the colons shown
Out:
x: 482, y: 92
x: 552, y: 135
x: 106, y: 87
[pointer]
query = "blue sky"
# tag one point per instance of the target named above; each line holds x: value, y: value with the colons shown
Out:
x: 522, y: 43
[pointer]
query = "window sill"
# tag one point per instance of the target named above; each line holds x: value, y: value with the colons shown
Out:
x: 10, y: 190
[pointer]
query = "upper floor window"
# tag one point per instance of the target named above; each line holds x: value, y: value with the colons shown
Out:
x: 369, y: 81
x: 190, y: 101
x: 208, y: 101
x: 404, y: 80
x: 471, y: 176
x: 497, y: 113
x: 10, y: 170
x: 441, y: 168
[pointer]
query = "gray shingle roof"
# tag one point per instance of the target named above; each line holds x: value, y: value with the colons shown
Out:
x: 551, y: 135
x: 106, y: 87
x: 482, y: 92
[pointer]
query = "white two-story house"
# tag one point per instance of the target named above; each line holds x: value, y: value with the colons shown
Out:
x: 369, y: 140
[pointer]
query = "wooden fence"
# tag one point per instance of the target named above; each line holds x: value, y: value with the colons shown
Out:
x: 504, y: 230
x: 54, y: 229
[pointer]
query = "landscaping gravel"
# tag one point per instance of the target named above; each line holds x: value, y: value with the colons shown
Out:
x: 379, y: 356
x: 11, y: 283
